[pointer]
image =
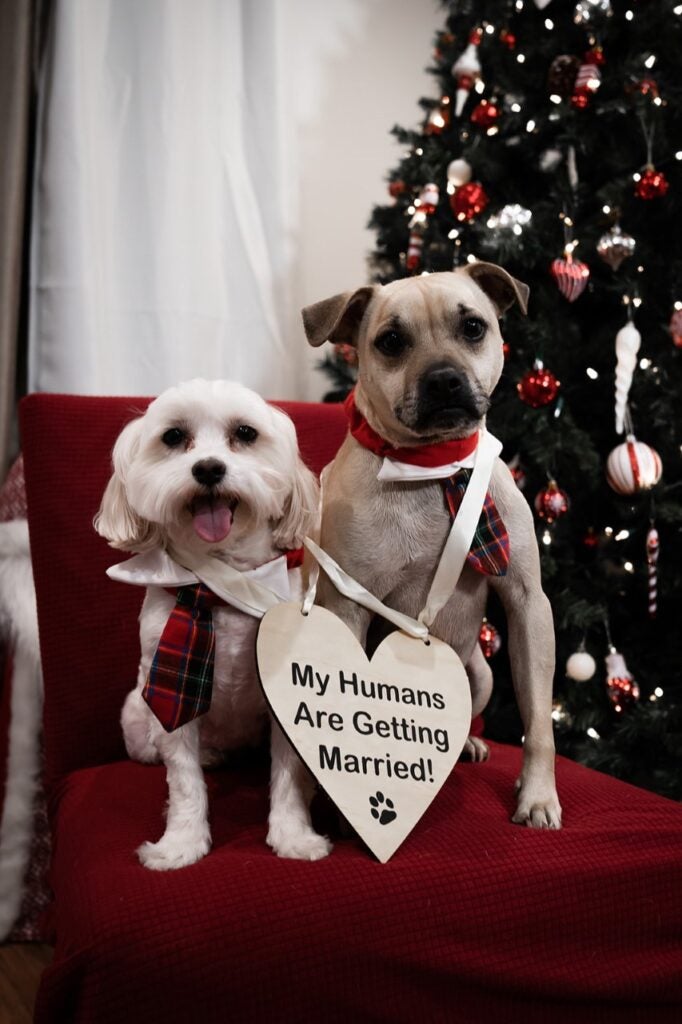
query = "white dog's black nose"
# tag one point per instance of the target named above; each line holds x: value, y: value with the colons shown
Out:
x: 208, y: 472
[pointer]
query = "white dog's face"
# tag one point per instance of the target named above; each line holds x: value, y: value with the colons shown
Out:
x: 209, y: 463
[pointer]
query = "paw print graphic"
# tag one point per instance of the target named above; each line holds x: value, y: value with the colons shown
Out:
x: 382, y: 809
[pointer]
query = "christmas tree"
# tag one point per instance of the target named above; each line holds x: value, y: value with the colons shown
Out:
x: 553, y: 146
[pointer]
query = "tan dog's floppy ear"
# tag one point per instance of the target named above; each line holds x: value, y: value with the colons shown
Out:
x: 501, y: 288
x: 116, y: 521
x: 337, y: 319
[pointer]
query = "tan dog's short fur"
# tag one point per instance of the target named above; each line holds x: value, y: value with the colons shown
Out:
x: 424, y: 375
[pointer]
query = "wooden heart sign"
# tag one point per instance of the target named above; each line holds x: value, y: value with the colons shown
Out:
x: 380, y: 736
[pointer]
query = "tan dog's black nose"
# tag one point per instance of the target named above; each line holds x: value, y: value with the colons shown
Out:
x: 208, y: 472
x: 442, y: 383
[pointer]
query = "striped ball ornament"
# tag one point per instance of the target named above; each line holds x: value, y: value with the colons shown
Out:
x: 633, y: 466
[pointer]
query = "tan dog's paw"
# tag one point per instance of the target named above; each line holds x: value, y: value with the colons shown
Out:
x: 299, y: 845
x: 538, y: 808
x: 475, y: 750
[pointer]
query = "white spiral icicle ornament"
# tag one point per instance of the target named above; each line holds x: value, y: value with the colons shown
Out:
x: 628, y: 341
x: 467, y: 70
x: 652, y: 547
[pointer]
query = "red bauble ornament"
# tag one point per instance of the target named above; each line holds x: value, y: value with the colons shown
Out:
x: 551, y: 503
x: 648, y: 87
x: 396, y: 188
x: 348, y: 353
x: 517, y: 471
x: 571, y: 277
x: 595, y: 56
x: 581, y: 99
x: 622, y: 689
x: 475, y: 36
x: 675, y: 328
x: 485, y: 115
x: 538, y: 386
x: 489, y: 639
x: 652, y: 184
x: 508, y: 39
x: 469, y: 200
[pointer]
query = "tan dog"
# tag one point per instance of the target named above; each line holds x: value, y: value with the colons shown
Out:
x: 430, y: 355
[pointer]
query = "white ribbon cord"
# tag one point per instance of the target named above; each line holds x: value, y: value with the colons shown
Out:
x: 449, y: 567
x: 458, y: 543
x: 353, y: 590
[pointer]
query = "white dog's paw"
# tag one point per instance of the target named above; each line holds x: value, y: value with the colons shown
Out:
x: 302, y: 844
x: 172, y: 852
x: 475, y: 749
x: 538, y: 807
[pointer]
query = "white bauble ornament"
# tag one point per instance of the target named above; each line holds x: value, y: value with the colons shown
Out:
x: 459, y: 172
x: 628, y: 341
x: 581, y: 666
x: 633, y: 466
x: 541, y: 4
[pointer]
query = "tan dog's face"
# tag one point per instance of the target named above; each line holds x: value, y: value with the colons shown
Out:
x: 429, y: 348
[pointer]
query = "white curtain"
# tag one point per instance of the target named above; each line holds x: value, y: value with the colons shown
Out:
x: 163, y: 201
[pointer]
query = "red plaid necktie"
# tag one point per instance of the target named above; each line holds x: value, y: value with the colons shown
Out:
x: 489, y: 551
x: 180, y: 680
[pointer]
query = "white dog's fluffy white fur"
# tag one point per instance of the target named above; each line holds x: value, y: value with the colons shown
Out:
x: 267, y: 501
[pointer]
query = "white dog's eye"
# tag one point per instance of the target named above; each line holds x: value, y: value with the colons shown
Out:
x: 174, y: 437
x: 246, y: 434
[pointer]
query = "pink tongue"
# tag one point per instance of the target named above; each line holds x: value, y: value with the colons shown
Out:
x: 212, y: 520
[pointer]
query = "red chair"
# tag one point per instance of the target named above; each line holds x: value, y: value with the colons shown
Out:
x: 474, y: 919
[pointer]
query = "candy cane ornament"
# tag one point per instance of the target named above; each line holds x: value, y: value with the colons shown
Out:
x: 652, y: 549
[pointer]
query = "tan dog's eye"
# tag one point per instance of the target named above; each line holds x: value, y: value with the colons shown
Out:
x: 390, y: 343
x: 473, y: 328
x: 174, y: 437
x: 246, y: 434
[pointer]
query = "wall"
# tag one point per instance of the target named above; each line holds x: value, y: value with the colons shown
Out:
x: 358, y: 69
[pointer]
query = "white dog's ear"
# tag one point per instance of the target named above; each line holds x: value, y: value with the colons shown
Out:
x: 337, y: 319
x: 116, y: 521
x: 301, y: 505
x: 501, y: 288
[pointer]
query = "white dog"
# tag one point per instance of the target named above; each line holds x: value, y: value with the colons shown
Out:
x: 211, y: 470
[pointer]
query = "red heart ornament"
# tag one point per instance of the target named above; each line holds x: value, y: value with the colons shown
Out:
x: 571, y: 277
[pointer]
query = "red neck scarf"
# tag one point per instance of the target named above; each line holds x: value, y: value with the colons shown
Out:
x: 440, y: 454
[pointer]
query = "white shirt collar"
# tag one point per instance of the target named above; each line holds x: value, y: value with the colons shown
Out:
x: 392, y: 471
x: 157, y: 569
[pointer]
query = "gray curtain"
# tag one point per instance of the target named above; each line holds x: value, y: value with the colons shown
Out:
x: 18, y: 34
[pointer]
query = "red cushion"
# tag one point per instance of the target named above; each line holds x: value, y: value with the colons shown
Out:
x: 474, y: 919
x: 88, y: 625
